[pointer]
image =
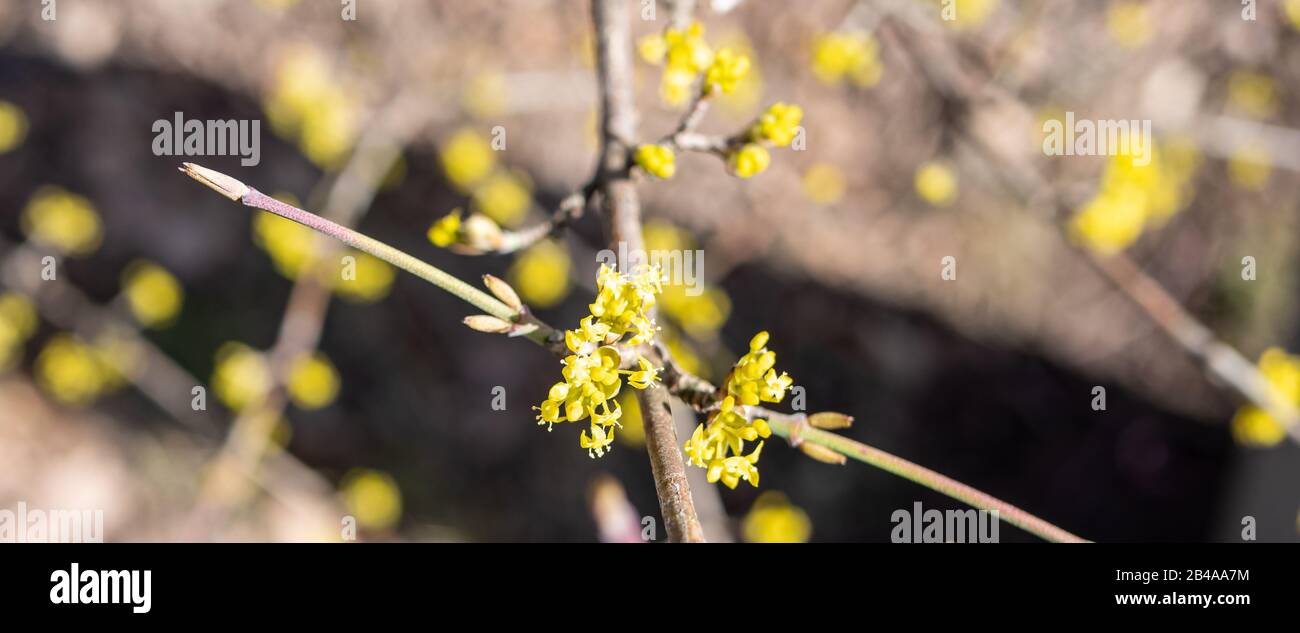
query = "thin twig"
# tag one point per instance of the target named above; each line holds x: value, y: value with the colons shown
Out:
x: 618, y: 129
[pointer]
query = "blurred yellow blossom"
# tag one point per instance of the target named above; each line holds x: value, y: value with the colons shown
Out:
x: 63, y: 221
x: 684, y: 54
x: 702, y: 314
x: 773, y: 519
x: 242, y: 376
x: 541, y: 274
x: 632, y: 433
x: 1251, y: 425
x: 13, y: 126
x: 824, y: 183
x: 505, y: 197
x: 371, y: 282
x: 304, y: 101
x: 656, y: 160
x: 1134, y: 195
x: 1254, y: 94
x: 153, y: 295
x: 372, y: 497
x: 750, y: 160
x: 291, y: 246
x: 486, y: 95
x: 467, y: 159
x: 1250, y: 167
x: 70, y: 371
x: 1129, y: 23
x: 313, y: 382
x: 851, y: 55
x: 1292, y: 10
x: 936, y: 183
x: 18, y: 322
x: 968, y: 14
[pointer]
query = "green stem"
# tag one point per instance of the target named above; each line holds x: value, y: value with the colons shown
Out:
x: 784, y: 426
x: 398, y: 258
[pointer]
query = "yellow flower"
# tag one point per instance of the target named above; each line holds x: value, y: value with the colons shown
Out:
x: 852, y: 55
x: 824, y: 183
x: 675, y: 86
x: 1110, y: 223
x: 686, y: 49
x: 657, y: 160
x: 779, y: 124
x: 304, y: 101
x: 1253, y: 426
x: 372, y: 279
x: 1128, y: 23
x: 443, y: 232
x: 242, y: 376
x: 70, y: 371
x: 153, y: 295
x: 598, y: 444
x: 313, y: 381
x: 936, y: 183
x: 645, y: 376
x: 701, y: 315
x: 541, y: 274
x: 329, y: 129
x: 505, y: 197
x: 467, y: 159
x: 773, y: 519
x: 63, y: 221
x: 372, y: 497
x: 13, y: 126
x: 727, y: 70
x: 750, y: 160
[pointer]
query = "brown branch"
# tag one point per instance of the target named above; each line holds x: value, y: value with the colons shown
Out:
x: 623, y: 209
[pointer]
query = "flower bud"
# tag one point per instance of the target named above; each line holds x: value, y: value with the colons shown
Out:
x: 489, y: 324
x: 830, y: 420
x: 822, y: 454
x: 502, y: 290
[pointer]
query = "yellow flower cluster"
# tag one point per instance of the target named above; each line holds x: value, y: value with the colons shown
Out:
x: 1133, y: 196
x: 306, y: 102
x: 592, y: 374
x: 1253, y: 426
x: 685, y: 56
x: 153, y: 295
x: 779, y: 124
x: 313, y: 382
x: 242, y: 376
x: 541, y: 274
x: 936, y: 183
x: 851, y: 55
x: 718, y: 445
x: 656, y: 160
x: 728, y: 69
x: 63, y: 221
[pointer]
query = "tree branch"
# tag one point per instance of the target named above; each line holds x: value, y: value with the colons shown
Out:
x: 623, y: 208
